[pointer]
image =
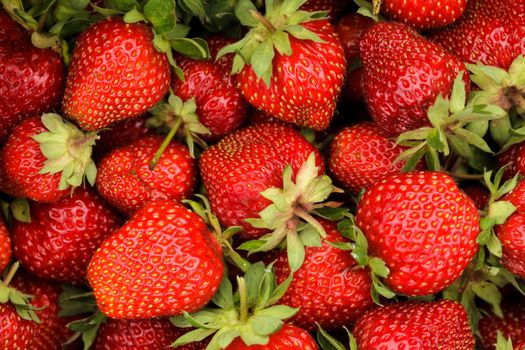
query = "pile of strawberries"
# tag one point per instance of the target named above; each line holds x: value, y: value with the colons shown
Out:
x: 279, y: 174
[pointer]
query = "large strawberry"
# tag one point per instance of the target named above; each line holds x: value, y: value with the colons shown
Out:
x: 62, y: 236
x: 31, y: 79
x: 115, y: 73
x: 512, y: 325
x: 329, y: 289
x: 424, y: 14
x: 126, y: 181
x: 290, y: 63
x: 361, y: 155
x: 162, y: 262
x: 5, y: 245
x: 44, y: 158
x: 416, y: 326
x: 423, y: 227
x: 403, y: 75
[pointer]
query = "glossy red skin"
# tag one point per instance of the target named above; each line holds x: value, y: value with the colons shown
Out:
x: 424, y: 14
x: 15, y: 332
x: 403, y: 75
x: 20, y: 163
x: 52, y: 332
x: 423, y: 227
x: 479, y: 194
x: 517, y: 196
x: 329, y: 288
x: 5, y: 245
x: 220, y: 105
x: 491, y: 32
x: 162, y: 262
x: 121, y: 134
x: 349, y: 30
x: 511, y: 325
x: 509, y: 159
x: 247, y: 162
x: 362, y: 155
x: 31, y: 79
x: 62, y: 236
x: 215, y: 43
x: 438, y: 325
x: 288, y: 337
x: 147, y: 334
x: 304, y: 86
x: 334, y: 7
x: 126, y: 182
x: 115, y: 73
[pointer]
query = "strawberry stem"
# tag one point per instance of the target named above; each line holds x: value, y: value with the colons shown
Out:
x: 165, y: 143
x: 243, y: 298
x: 258, y: 16
x: 11, y: 273
x: 236, y: 259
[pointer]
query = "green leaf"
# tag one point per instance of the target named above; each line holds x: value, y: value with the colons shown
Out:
x: 432, y: 159
x: 301, y: 33
x: 134, y: 16
x: 194, y: 48
x: 265, y: 325
x: 243, y: 11
x: 435, y: 140
x: 489, y: 293
x: 282, y: 43
x: 281, y: 312
x: 161, y: 14
x: 262, y: 66
x: 21, y: 210
x: 122, y: 5
x: 194, y: 7
x: 494, y: 246
x: 473, y: 139
x: 501, y: 210
x: 193, y: 336
x: 310, y: 237
x: 458, y: 96
x: 328, y: 342
x: 224, y: 295
x: 295, y: 249
x: 280, y: 290
x: 378, y: 267
x: 439, y: 112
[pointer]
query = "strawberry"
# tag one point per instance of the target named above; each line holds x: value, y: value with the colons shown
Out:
x: 61, y: 237
x: 353, y: 89
x: 126, y: 181
x: 220, y: 106
x: 162, y: 262
x: 215, y: 44
x: 115, y: 73
x: 300, y: 79
x: 288, y: 337
x: 44, y: 158
x: 334, y: 7
x: 489, y: 32
x: 424, y: 14
x: 362, y: 155
x: 508, y: 158
x: 31, y: 79
x: 327, y: 289
x: 5, y: 245
x: 415, y: 325
x: 511, y: 325
x: 51, y: 332
x: 403, y: 75
x: 479, y: 195
x: 419, y: 217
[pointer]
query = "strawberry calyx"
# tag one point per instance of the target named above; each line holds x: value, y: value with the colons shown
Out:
x: 19, y: 300
x: 68, y: 151
x: 224, y: 236
x: 269, y: 32
x: 328, y: 342
x: 505, y: 89
x: 20, y: 210
x: 369, y: 9
x: 290, y: 217
x: 457, y: 127
x: 503, y: 343
x: 249, y: 313
x: 177, y: 117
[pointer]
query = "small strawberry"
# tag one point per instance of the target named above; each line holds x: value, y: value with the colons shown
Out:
x: 115, y: 73
x: 5, y: 245
x: 125, y: 180
x: 162, y: 262
x: 423, y: 227
x: 334, y: 7
x: 362, y: 155
x: 328, y: 289
x: 31, y: 79
x: 508, y: 158
x: 44, y: 158
x: 403, y: 75
x: 61, y: 237
x: 415, y: 325
x: 424, y: 15
x: 512, y: 325
x: 290, y: 64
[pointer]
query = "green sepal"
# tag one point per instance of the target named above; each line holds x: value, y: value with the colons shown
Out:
x: 21, y: 210
x: 194, y: 7
x: 366, y: 9
x: 16, y: 10
x: 196, y: 48
x: 503, y: 343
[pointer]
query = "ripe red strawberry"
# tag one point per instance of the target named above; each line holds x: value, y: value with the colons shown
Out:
x: 511, y: 325
x: 62, y: 236
x: 362, y: 155
x: 51, y: 332
x: 423, y: 227
x: 288, y: 337
x: 403, y: 75
x: 115, y: 73
x: 151, y: 334
x: 329, y: 288
x: 509, y: 159
x: 215, y: 44
x: 478, y: 193
x: 424, y: 14
x: 415, y: 325
x: 162, y: 262
x: 334, y: 7
x: 126, y: 182
x: 517, y: 197
x: 220, y: 106
x: 31, y: 79
x: 299, y: 81
x: 5, y: 245
x: 44, y: 158
x: 489, y: 32
x: 243, y: 164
